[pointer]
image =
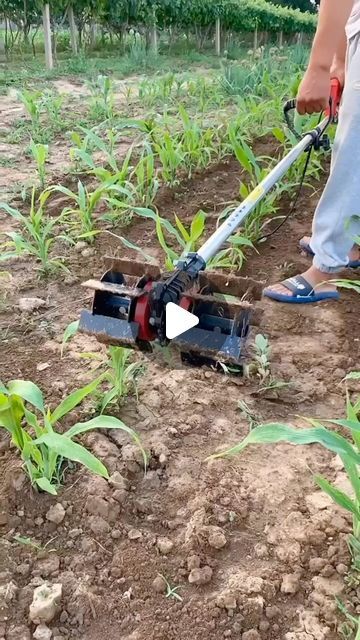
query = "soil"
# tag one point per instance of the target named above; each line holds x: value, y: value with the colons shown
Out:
x: 256, y: 550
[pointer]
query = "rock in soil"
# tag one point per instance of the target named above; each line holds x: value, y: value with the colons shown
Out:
x: 56, y: 513
x: 45, y: 603
x: 42, y: 632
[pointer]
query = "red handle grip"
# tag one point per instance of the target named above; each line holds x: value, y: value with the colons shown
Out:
x: 335, y: 98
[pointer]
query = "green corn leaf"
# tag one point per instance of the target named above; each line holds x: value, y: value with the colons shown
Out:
x: 182, y: 229
x: 72, y: 401
x: 69, y: 333
x: 28, y: 391
x: 197, y: 226
x: 106, y: 422
x: 45, y: 485
x: 272, y: 433
x: 338, y: 496
x: 130, y: 245
x: 241, y: 241
x: 171, y: 256
x: 354, y: 425
x: 70, y: 450
x: 85, y: 157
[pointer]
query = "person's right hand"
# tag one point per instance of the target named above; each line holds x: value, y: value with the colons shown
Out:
x: 314, y: 91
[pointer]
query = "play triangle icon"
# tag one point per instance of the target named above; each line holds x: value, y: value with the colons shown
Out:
x: 178, y: 320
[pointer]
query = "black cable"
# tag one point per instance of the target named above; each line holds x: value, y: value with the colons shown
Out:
x: 293, y: 206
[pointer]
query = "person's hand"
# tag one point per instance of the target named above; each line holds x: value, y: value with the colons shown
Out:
x: 314, y: 91
x: 338, y: 71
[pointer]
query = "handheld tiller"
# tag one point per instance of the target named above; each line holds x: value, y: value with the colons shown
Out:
x: 129, y: 307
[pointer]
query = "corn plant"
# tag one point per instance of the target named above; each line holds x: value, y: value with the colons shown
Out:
x: 102, y: 90
x: 144, y: 178
x: 171, y: 154
x: 81, y: 216
x: 52, y: 105
x: 319, y: 433
x: 32, y: 103
x: 36, y: 236
x: 43, y: 449
x: 120, y: 373
x: 196, y: 144
x: 40, y: 153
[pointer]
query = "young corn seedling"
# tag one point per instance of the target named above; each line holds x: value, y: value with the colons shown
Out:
x: 43, y: 449
x: 102, y: 90
x: 196, y: 144
x: 144, y: 178
x: 36, y: 237
x: 40, y: 153
x: 52, y: 104
x: 120, y: 373
x: 32, y: 103
x: 171, y: 155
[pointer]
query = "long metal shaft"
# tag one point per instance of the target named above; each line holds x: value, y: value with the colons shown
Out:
x: 233, y: 222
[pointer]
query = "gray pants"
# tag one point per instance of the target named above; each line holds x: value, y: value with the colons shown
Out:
x: 335, y: 225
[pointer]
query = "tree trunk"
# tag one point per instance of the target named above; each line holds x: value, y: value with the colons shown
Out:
x: 256, y: 39
x: 72, y: 25
x: 280, y: 39
x: 47, y: 37
x: 154, y: 35
x: 218, y: 37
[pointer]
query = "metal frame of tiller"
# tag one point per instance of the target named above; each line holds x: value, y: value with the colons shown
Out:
x: 129, y: 307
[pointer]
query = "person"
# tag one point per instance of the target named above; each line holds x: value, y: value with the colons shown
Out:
x: 336, y: 223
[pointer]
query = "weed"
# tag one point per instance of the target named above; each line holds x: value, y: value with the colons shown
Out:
x: 42, y: 449
x: 171, y: 592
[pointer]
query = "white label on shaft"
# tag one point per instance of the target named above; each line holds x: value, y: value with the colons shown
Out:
x: 178, y: 320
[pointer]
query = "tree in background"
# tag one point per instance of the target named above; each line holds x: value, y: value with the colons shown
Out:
x: 303, y: 5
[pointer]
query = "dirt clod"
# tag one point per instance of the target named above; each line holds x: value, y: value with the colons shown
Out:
x: 200, y: 576
x: 290, y: 583
x: 46, y: 600
x: 42, y: 632
x: 165, y: 545
x: 252, y: 634
x: 159, y: 585
x: 56, y: 513
x: 28, y: 305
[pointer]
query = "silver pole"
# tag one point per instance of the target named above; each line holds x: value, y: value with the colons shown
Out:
x: 231, y: 224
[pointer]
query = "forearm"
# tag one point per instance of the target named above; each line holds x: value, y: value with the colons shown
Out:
x: 340, y: 53
x: 330, y: 39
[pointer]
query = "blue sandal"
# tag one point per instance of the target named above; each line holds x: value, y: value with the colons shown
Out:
x: 302, y: 292
x: 305, y: 246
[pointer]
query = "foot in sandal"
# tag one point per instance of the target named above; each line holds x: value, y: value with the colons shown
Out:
x: 309, y: 287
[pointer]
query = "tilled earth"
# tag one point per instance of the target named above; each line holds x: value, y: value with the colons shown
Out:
x: 255, y: 549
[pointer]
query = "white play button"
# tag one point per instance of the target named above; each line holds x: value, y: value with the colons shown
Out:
x: 178, y: 320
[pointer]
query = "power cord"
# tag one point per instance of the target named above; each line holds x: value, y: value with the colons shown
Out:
x: 295, y: 202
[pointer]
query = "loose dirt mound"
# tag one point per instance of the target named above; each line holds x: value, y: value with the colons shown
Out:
x: 256, y: 551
